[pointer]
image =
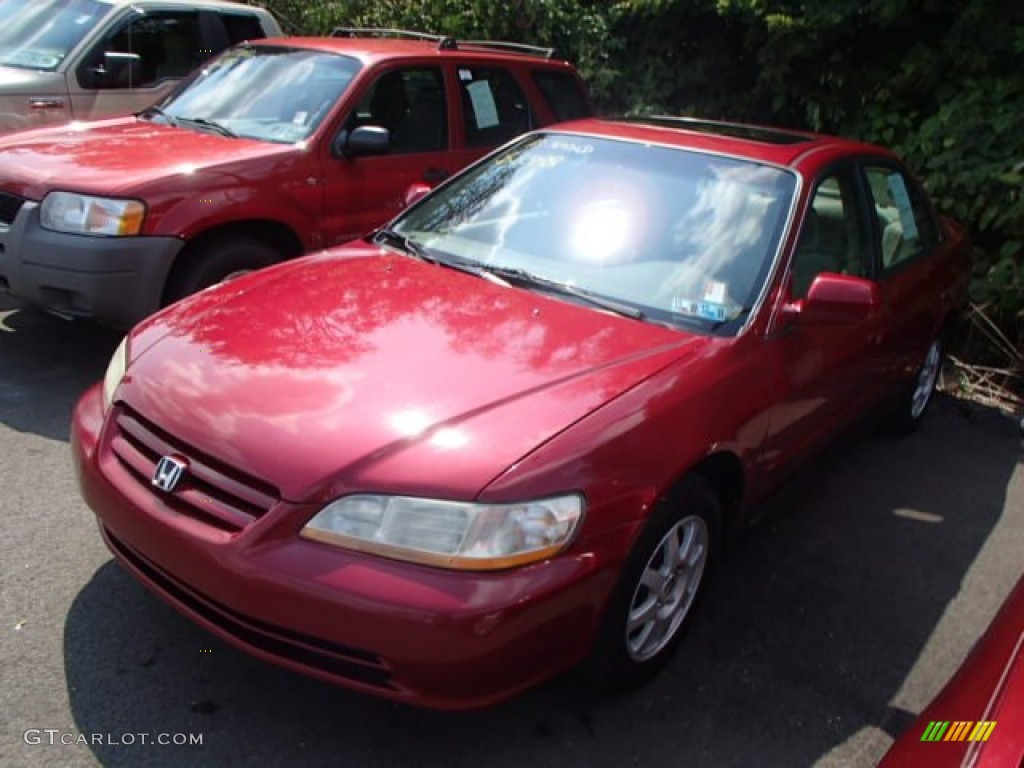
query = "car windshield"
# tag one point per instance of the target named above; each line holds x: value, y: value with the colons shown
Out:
x: 267, y: 93
x: 674, y: 236
x: 38, y: 34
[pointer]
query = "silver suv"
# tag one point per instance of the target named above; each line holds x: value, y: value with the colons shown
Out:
x: 64, y: 60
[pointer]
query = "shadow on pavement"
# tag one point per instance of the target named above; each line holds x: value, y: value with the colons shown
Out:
x: 811, y: 625
x: 45, y: 365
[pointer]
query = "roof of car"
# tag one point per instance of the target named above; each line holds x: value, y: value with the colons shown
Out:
x: 765, y: 144
x: 371, y: 50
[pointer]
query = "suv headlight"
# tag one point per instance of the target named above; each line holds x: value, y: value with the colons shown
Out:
x: 449, y: 534
x: 88, y: 215
x: 115, y: 372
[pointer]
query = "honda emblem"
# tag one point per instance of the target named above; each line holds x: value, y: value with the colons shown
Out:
x: 168, y: 472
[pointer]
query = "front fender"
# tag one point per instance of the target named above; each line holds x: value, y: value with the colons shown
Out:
x: 202, y: 211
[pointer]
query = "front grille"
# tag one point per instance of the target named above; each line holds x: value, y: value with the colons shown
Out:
x: 9, y: 207
x: 339, y: 660
x: 209, y: 491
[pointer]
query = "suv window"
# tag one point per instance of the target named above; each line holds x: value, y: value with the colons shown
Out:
x: 832, y: 238
x: 168, y: 43
x: 410, y: 103
x: 242, y: 27
x: 904, y: 221
x: 562, y: 93
x: 494, y: 107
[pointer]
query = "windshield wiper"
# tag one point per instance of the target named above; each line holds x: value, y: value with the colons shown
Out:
x: 523, y: 277
x: 212, y: 124
x: 155, y: 110
x: 403, y: 243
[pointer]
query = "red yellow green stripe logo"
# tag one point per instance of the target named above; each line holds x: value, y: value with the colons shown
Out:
x: 958, y: 730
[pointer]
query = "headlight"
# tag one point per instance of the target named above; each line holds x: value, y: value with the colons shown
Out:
x: 87, y: 215
x: 449, y: 534
x: 115, y: 372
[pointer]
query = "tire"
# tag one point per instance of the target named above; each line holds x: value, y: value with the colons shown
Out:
x: 914, y: 403
x: 209, y: 262
x: 652, y: 605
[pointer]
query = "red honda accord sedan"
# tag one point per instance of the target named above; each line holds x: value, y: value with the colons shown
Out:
x: 505, y: 435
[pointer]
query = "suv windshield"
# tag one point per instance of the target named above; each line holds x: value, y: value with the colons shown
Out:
x: 38, y: 34
x: 273, y: 94
x: 678, y: 236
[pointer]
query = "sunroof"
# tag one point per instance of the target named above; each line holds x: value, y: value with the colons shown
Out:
x: 733, y: 130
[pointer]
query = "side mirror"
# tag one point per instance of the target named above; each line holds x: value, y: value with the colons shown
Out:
x: 118, y: 70
x: 363, y: 141
x: 833, y: 299
x: 414, y: 193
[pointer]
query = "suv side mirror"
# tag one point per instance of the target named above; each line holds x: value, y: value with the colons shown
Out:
x: 118, y: 70
x: 834, y: 298
x: 362, y: 141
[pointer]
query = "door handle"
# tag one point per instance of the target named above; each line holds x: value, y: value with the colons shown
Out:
x: 43, y: 103
x: 435, y: 175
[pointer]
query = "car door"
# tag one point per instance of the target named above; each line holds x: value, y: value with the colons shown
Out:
x: 152, y: 51
x: 824, y: 374
x: 360, y: 193
x: 906, y: 237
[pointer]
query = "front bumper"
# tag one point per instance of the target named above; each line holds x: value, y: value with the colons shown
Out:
x: 450, y: 640
x: 115, y: 280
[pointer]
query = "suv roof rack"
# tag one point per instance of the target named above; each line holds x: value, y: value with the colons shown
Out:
x: 446, y: 42
x: 501, y: 45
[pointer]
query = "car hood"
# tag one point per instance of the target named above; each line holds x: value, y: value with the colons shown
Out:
x: 363, y: 370
x: 114, y: 156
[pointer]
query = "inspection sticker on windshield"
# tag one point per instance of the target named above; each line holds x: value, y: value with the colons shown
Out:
x: 714, y: 292
x: 708, y: 310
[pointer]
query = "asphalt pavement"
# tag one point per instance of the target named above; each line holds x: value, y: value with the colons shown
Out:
x: 825, y: 629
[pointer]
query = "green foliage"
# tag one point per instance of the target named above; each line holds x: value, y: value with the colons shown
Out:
x: 939, y: 81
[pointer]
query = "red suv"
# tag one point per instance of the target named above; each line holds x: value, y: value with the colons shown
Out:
x: 275, y: 148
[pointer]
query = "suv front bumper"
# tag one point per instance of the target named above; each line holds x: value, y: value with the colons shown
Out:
x: 115, y: 280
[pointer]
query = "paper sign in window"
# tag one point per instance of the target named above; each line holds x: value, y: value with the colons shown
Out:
x: 484, y: 108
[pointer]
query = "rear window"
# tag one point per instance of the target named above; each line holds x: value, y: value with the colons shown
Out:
x: 563, y: 94
x: 241, y: 27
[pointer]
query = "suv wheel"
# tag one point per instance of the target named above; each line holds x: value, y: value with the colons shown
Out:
x: 209, y: 262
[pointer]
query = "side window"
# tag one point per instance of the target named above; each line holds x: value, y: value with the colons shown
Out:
x: 832, y: 238
x: 563, y: 94
x: 494, y: 107
x: 168, y: 44
x: 241, y: 27
x: 410, y: 103
x: 904, y: 221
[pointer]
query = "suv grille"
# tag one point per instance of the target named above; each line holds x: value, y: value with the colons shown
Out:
x: 9, y: 207
x: 209, y: 490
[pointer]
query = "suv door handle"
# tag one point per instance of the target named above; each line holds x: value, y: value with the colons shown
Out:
x: 45, y: 103
x: 435, y: 175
